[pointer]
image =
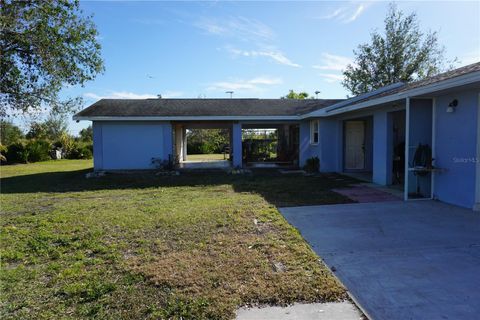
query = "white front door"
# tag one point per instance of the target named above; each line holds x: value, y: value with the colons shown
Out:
x: 354, y: 145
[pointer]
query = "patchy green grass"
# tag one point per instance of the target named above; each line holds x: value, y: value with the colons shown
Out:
x: 144, y: 246
x: 206, y: 157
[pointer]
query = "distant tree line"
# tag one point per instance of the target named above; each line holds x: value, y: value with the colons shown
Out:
x: 207, y: 141
x: 45, y: 140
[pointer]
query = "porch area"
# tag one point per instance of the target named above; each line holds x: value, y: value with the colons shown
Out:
x: 270, y: 144
x: 392, y: 146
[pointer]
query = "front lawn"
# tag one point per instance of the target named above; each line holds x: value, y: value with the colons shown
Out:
x: 145, y: 246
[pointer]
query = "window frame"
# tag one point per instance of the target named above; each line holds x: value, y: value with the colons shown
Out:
x: 312, y: 131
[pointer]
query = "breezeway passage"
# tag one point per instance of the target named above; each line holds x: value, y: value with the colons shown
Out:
x: 399, y: 260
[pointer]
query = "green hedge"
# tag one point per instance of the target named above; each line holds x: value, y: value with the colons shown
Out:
x: 40, y: 150
x: 79, y: 151
x: 17, y: 153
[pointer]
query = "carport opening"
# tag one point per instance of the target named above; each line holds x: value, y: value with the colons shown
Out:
x: 202, y: 145
x: 270, y: 145
x: 260, y: 145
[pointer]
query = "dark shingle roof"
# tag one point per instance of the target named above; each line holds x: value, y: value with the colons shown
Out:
x: 421, y: 83
x: 202, y: 107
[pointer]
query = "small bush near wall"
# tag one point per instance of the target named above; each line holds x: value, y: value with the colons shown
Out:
x: 312, y: 164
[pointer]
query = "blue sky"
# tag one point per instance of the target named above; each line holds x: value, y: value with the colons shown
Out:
x: 256, y: 49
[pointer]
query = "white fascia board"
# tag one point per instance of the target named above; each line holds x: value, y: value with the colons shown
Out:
x: 364, y: 96
x: 187, y: 118
x: 438, y: 86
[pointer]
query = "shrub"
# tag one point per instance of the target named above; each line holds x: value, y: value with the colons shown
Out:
x: 38, y: 150
x: 3, y: 153
x: 79, y: 151
x: 67, y: 144
x: 312, y: 164
x: 17, y: 153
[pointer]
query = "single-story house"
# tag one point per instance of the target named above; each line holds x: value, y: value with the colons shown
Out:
x: 423, y: 136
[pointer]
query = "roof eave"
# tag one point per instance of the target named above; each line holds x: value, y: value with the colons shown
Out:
x: 185, y: 118
x: 434, y: 87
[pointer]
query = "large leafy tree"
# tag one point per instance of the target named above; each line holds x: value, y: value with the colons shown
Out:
x: 9, y: 133
x: 44, y: 45
x: 402, y: 53
x: 52, y: 128
x: 86, y: 134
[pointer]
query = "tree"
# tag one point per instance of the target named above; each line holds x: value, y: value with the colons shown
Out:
x: 44, y: 45
x: 9, y: 133
x: 52, y: 128
x: 86, y: 135
x: 403, y: 53
x: 294, y: 95
x: 206, y: 141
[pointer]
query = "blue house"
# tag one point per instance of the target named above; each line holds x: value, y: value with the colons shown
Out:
x: 423, y: 137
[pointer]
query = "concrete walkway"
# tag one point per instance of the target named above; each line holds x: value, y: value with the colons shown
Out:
x: 204, y: 164
x: 399, y: 260
x: 313, y: 311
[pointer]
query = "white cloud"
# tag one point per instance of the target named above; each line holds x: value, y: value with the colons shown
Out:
x: 331, y: 77
x: 334, y: 14
x: 128, y: 95
x: 273, y: 54
x: 333, y: 62
x: 254, y: 84
x: 172, y: 94
x: 334, y: 65
x: 347, y: 13
x: 266, y: 80
x: 237, y: 27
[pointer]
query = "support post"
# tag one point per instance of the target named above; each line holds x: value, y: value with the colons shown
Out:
x: 476, y: 206
x: 382, y: 166
x: 407, y: 146
x: 237, y: 144
x: 434, y: 133
x: 184, y: 144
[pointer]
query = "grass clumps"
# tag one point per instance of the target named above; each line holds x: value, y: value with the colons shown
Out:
x: 143, y: 246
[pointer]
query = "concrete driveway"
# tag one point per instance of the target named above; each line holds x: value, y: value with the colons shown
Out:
x: 399, y: 260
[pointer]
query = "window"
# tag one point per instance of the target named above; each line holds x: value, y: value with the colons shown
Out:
x: 314, y: 135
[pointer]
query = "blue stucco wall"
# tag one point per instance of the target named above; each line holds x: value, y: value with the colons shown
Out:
x: 329, y: 145
x: 130, y: 145
x: 327, y: 148
x: 307, y: 150
x: 382, y: 166
x: 97, y: 146
x: 456, y: 140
